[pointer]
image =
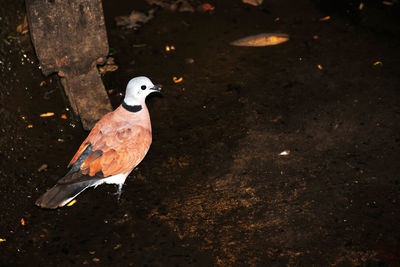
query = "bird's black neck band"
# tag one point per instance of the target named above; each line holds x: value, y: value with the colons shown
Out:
x: 135, y: 108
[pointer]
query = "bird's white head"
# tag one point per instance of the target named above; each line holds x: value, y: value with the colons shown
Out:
x: 138, y: 89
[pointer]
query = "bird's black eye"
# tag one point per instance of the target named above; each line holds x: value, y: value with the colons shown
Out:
x: 143, y: 87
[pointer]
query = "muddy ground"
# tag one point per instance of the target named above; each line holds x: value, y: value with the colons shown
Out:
x: 213, y: 189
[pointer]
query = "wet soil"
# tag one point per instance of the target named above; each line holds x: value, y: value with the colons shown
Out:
x: 213, y: 189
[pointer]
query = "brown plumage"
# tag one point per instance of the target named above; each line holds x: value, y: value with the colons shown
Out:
x: 118, y: 143
x: 114, y: 147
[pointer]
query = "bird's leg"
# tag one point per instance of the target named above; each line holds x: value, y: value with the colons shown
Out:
x: 119, y: 191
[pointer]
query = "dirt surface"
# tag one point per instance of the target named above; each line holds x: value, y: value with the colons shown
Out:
x: 213, y: 189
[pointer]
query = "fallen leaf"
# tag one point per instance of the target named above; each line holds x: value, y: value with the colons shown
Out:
x: 319, y: 66
x: 285, y: 153
x: 108, y: 68
x: 22, y: 222
x: 253, y: 2
x: 262, y: 39
x: 315, y: 37
x: 19, y: 28
x: 387, y: 3
x: 325, y: 18
x: 96, y: 260
x: 206, y: 7
x: 42, y: 236
x: 48, y: 114
x: 43, y: 167
x: 63, y: 116
x: 30, y: 126
x: 42, y: 83
x: 177, y: 80
x: 71, y: 203
x: 135, y: 19
x: 23, y: 28
x: 378, y: 63
x: 3, y: 240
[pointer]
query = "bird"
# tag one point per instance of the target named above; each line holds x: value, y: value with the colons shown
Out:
x: 114, y: 147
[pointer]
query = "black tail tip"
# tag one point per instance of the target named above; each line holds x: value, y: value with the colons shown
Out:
x: 42, y: 203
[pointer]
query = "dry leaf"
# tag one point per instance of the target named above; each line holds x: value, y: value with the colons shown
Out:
x: 285, y: 153
x: 135, y: 19
x: 108, y: 68
x: 43, y: 167
x: 262, y: 39
x: 206, y: 7
x: 19, y: 28
x: 48, y: 114
x: 253, y: 2
x: 177, y: 80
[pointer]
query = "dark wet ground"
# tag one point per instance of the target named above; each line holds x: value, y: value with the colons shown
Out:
x: 213, y: 189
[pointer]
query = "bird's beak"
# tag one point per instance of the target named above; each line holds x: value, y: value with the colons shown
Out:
x: 156, y: 88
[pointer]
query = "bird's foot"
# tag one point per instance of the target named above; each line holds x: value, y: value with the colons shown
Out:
x: 119, y: 192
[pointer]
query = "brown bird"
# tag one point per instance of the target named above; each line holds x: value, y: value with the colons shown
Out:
x: 114, y: 147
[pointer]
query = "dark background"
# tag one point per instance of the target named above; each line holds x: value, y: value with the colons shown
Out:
x: 213, y: 189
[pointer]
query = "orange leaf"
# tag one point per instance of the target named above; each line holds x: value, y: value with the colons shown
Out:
x: 48, y: 114
x: 207, y: 7
x: 177, y: 80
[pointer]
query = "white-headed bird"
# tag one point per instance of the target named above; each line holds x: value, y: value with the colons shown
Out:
x: 114, y: 147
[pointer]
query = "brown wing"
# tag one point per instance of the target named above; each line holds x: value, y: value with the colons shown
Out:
x: 93, y: 133
x: 115, y: 150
